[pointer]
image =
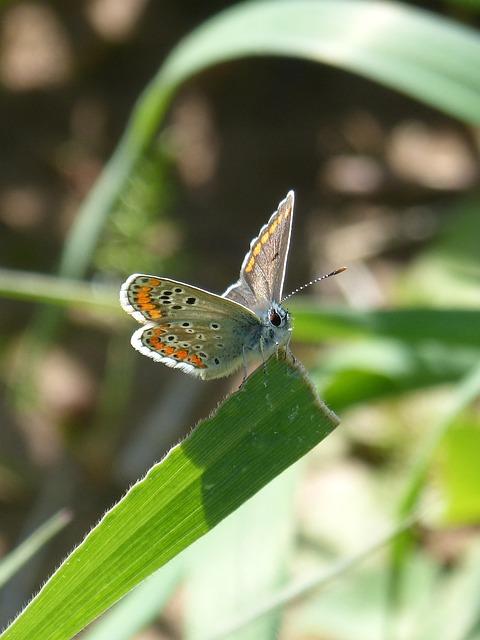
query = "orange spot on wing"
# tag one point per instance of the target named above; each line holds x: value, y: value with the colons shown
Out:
x: 182, y: 354
x: 264, y: 238
x: 273, y: 226
x: 143, y: 297
x: 159, y: 331
x: 197, y: 362
x: 250, y: 264
x: 257, y: 249
x: 144, y: 302
x: 169, y: 351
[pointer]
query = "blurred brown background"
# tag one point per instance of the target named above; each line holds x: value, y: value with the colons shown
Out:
x: 372, y: 171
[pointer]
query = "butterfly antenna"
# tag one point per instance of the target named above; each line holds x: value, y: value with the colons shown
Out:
x: 304, y: 286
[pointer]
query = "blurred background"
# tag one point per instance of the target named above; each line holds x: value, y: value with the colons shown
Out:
x: 384, y: 185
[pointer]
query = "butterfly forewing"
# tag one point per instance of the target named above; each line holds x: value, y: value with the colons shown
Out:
x: 263, y: 269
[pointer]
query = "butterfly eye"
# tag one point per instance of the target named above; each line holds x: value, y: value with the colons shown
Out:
x: 275, y: 318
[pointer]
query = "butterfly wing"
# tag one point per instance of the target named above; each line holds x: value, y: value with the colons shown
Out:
x: 263, y: 269
x: 188, y: 328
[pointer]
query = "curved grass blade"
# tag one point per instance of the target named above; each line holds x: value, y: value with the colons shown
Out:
x: 409, y: 50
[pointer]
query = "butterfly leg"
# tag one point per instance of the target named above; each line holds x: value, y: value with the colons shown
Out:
x: 244, y: 364
x: 263, y: 355
x: 286, y: 348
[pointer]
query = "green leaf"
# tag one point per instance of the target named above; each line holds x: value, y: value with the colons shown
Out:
x: 412, y: 325
x: 374, y: 369
x: 273, y: 420
x: 140, y: 607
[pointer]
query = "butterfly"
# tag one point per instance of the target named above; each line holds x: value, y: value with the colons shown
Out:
x: 208, y: 335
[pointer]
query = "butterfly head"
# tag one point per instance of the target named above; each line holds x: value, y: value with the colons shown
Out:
x: 276, y: 329
x: 278, y: 317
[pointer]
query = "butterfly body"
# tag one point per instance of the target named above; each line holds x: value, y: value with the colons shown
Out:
x: 207, y: 335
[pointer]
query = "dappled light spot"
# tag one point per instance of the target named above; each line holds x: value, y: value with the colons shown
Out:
x: 115, y: 20
x: 34, y: 50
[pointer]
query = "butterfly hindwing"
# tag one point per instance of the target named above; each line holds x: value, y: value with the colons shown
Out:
x: 186, y: 327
